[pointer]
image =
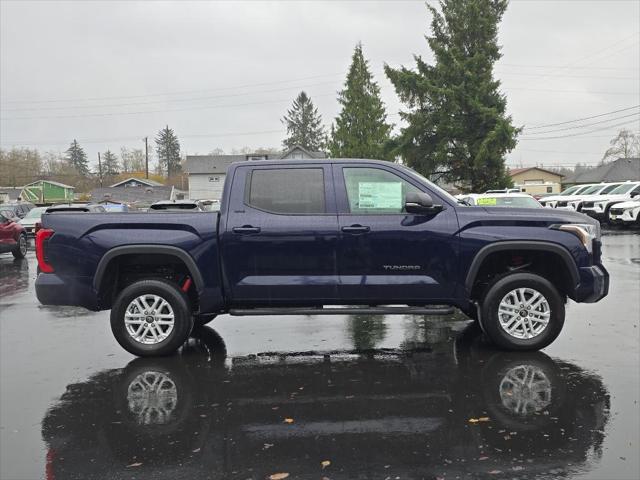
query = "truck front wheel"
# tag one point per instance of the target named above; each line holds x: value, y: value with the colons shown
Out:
x: 151, y: 318
x: 522, y: 311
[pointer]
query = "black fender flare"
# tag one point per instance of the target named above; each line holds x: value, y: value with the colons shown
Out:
x: 116, y: 252
x: 523, y: 245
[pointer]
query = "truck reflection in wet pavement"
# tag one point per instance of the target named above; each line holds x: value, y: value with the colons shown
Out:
x: 448, y: 409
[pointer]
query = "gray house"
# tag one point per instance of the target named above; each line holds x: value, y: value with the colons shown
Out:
x: 207, y: 172
x: 619, y: 170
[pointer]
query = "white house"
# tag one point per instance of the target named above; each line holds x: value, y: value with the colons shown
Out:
x: 207, y: 172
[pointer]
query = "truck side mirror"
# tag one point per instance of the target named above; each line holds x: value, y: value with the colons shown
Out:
x: 419, y: 202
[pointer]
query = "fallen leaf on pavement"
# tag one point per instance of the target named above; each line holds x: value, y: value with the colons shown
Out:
x: 137, y: 464
x: 325, y: 464
x: 278, y: 476
x: 288, y: 420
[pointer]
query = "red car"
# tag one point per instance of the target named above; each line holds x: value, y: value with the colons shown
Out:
x: 13, y: 237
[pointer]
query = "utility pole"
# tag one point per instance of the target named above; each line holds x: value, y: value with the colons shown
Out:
x: 146, y: 157
x: 100, y: 169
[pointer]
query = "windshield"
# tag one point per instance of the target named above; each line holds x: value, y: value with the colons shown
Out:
x: 624, y: 188
x: 520, y: 202
x: 591, y: 190
x: 438, y: 189
x: 571, y: 190
x: 609, y: 188
x: 35, y: 212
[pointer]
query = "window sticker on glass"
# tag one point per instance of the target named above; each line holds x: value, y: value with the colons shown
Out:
x: 487, y: 201
x: 380, y: 195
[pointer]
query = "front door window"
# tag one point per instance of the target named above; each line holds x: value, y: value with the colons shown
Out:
x: 372, y: 191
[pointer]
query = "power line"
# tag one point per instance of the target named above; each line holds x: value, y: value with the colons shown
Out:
x: 193, y: 99
x: 143, y: 112
x: 577, y: 134
x: 585, y: 124
x: 137, y: 138
x: 183, y: 92
x: 583, y: 118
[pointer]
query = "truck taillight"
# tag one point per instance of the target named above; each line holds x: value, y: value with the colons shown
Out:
x: 41, y: 239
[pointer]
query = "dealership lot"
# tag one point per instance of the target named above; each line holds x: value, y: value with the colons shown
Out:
x: 375, y: 397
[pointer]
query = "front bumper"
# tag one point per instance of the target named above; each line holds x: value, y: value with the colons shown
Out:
x: 600, y: 216
x: 593, y: 286
x: 53, y: 289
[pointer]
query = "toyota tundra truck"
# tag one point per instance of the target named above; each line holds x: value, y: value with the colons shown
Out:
x: 307, y: 237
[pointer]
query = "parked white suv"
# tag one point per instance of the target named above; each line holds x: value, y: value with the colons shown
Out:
x: 598, y: 206
x: 552, y: 200
x: 574, y: 202
x: 625, y: 213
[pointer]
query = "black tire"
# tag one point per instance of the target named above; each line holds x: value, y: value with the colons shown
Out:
x: 497, y: 291
x: 21, y: 247
x: 179, y: 303
x: 201, y: 320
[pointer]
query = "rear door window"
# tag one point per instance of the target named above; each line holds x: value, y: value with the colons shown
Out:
x: 287, y: 190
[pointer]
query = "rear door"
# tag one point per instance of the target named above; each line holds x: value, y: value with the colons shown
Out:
x: 386, y: 255
x: 279, y: 242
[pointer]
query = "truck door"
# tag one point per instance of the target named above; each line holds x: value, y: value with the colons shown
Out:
x: 279, y: 241
x: 385, y: 255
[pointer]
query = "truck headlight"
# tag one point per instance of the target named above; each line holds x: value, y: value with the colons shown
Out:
x: 586, y: 232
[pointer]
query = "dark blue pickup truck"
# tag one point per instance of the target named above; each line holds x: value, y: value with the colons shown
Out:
x: 323, y: 237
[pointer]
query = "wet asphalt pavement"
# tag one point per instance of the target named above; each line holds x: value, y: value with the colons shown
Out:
x: 337, y: 397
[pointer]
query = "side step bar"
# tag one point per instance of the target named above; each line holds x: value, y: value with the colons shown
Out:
x: 344, y: 311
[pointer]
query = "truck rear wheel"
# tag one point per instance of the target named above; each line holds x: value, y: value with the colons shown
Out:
x: 151, y: 318
x: 522, y: 311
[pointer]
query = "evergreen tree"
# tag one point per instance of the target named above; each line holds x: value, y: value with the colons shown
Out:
x: 361, y: 130
x: 77, y: 158
x: 168, y: 149
x: 110, y: 165
x: 457, y: 126
x: 304, y: 125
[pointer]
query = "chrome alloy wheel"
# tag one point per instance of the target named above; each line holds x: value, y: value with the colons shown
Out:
x: 525, y: 390
x: 524, y: 313
x: 149, y: 319
x: 152, y: 397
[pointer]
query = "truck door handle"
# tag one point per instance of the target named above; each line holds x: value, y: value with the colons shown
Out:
x: 356, y: 229
x: 246, y: 229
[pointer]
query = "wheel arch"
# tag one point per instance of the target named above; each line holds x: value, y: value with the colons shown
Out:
x: 521, y: 246
x: 113, y: 254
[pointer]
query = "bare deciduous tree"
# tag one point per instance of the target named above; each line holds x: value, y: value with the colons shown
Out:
x: 625, y: 145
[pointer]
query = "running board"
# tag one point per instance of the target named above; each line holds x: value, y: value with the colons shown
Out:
x: 344, y: 311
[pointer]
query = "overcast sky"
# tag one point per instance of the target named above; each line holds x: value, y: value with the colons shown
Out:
x: 223, y: 74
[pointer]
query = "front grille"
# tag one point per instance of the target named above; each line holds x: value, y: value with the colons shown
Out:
x: 587, y: 205
x: 562, y: 204
x: 616, y: 211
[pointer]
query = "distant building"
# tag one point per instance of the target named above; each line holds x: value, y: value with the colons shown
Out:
x: 207, y: 172
x: 47, y: 192
x: 139, y: 196
x: 136, y: 182
x: 10, y: 194
x: 535, y: 180
x: 619, y: 170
